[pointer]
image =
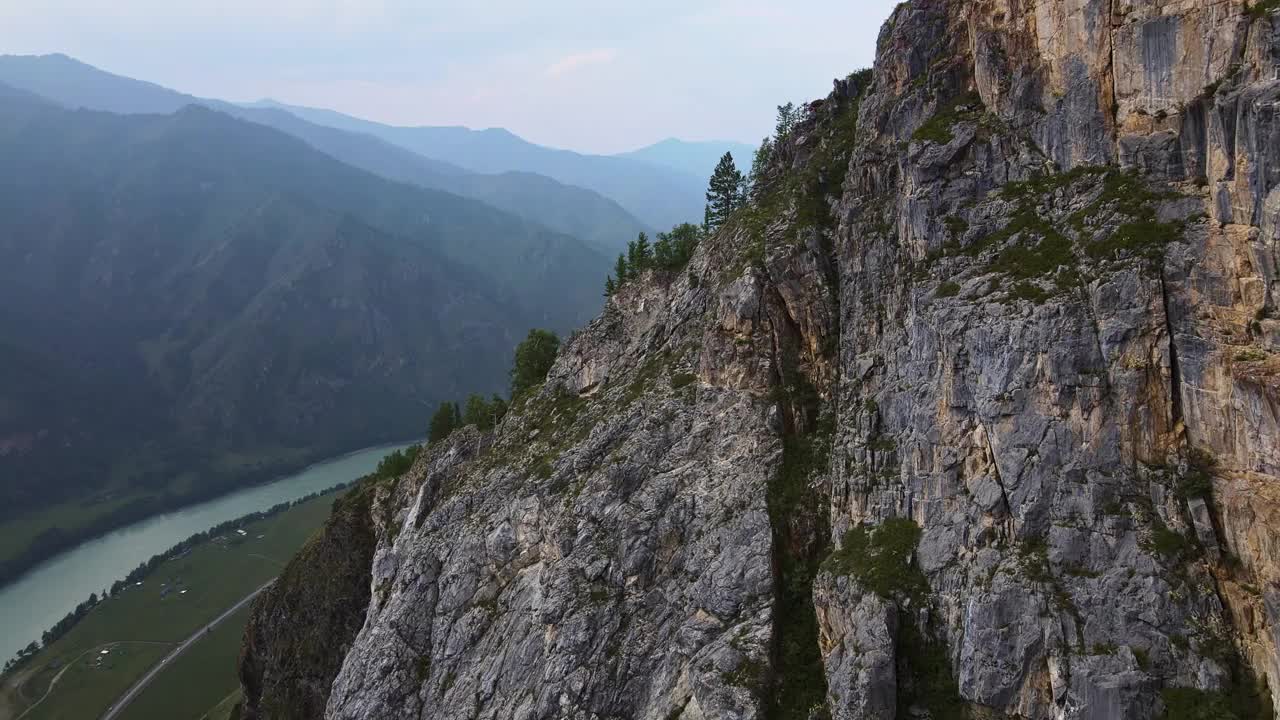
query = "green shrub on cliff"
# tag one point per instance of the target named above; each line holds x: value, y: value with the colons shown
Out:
x: 534, y: 357
x: 880, y: 558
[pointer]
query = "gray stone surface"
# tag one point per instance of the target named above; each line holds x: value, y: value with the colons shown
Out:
x: 613, y: 550
x: 859, y: 632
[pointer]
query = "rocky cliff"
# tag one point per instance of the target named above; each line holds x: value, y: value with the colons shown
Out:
x: 972, y: 412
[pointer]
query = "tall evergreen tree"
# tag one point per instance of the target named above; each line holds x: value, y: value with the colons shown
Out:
x: 639, y: 255
x: 610, y: 287
x: 760, y: 162
x: 787, y: 118
x: 724, y: 194
x: 663, y: 253
x: 633, y: 270
x: 620, y: 270
x: 645, y: 251
x: 444, y: 422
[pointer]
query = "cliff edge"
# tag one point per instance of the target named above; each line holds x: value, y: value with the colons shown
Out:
x: 971, y: 412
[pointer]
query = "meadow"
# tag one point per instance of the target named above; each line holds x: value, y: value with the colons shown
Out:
x: 195, y: 683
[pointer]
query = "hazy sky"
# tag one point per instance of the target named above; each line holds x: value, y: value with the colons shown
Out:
x: 592, y: 75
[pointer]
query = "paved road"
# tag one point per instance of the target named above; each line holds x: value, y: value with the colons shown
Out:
x: 142, y: 684
x: 91, y: 651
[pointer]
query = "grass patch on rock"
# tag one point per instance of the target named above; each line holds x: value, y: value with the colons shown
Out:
x: 940, y: 128
x: 1242, y: 701
x: 948, y: 289
x: 1041, y: 254
x: 880, y: 559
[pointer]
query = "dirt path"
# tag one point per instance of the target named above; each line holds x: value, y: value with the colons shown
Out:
x: 77, y: 658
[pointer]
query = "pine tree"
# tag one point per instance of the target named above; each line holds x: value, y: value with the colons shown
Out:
x: 644, y: 253
x: 620, y: 270
x: 633, y: 268
x: 610, y: 287
x: 639, y: 255
x: 760, y: 162
x: 663, y: 252
x: 443, y: 423
x: 724, y: 194
x: 787, y: 117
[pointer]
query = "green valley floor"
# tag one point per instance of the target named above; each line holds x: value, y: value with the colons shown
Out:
x: 83, y: 673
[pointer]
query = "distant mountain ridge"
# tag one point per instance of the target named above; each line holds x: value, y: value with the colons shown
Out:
x: 694, y: 157
x: 662, y: 196
x: 190, y: 301
x: 574, y: 210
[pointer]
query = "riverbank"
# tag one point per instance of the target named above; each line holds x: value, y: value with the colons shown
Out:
x: 43, y: 596
x: 147, y: 621
x: 38, y: 535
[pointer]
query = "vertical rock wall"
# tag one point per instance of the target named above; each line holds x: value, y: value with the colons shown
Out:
x: 971, y: 412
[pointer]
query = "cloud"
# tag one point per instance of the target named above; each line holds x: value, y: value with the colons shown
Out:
x: 570, y: 63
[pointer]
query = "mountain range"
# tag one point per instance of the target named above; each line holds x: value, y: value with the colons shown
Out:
x: 197, y: 294
x: 662, y: 194
x: 192, y: 300
x: 605, y: 200
x: 694, y: 158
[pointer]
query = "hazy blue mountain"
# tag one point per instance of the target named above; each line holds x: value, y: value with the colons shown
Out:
x: 9, y: 92
x: 660, y: 196
x: 190, y: 300
x: 70, y: 82
x: 573, y: 210
x: 695, y: 158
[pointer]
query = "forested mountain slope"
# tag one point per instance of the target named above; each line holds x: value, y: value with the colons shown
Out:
x: 190, y: 301
x: 577, y: 211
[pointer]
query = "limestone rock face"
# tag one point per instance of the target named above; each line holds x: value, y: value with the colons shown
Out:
x: 607, y: 552
x: 1013, y: 288
x: 860, y: 634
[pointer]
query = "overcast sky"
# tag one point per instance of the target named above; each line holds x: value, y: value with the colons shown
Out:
x: 591, y: 75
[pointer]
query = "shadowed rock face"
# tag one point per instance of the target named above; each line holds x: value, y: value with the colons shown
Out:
x: 303, y: 624
x: 973, y: 410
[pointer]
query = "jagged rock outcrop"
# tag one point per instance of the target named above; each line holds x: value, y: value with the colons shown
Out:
x: 972, y: 411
